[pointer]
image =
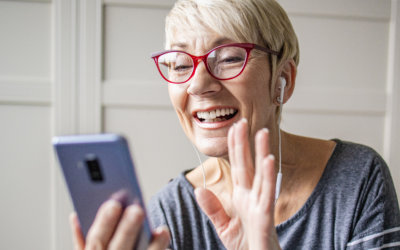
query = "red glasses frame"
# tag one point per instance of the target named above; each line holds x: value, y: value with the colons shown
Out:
x: 196, y: 59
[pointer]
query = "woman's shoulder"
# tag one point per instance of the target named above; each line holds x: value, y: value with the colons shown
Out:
x: 359, y: 170
x: 356, y: 157
x: 366, y: 181
x: 354, y: 148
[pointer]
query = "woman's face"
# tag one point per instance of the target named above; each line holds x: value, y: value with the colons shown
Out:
x: 247, y: 95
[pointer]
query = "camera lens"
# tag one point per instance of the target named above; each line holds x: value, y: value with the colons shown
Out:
x: 94, y: 169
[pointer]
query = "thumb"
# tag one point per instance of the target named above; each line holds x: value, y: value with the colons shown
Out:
x: 77, y: 236
x: 212, y: 207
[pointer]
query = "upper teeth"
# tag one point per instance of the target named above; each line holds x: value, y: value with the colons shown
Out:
x: 215, y: 113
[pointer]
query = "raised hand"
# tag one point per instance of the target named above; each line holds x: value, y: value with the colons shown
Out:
x: 251, y: 224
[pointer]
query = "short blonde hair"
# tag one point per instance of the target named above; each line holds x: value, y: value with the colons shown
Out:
x: 262, y: 22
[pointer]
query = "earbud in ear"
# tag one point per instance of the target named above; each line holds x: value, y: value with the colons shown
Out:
x: 283, y: 85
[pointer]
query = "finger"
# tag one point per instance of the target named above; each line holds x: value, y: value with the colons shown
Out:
x: 231, y: 150
x: 231, y: 145
x: 262, y: 145
x: 243, y: 169
x: 104, y: 225
x: 262, y: 150
x: 77, y: 235
x: 213, y: 208
x: 161, y: 239
x: 128, y: 228
x: 267, y: 197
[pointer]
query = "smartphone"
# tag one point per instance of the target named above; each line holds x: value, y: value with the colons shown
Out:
x: 96, y: 168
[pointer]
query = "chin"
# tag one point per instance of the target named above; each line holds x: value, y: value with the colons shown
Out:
x: 213, y: 147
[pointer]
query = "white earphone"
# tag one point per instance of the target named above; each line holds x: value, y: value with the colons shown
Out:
x: 283, y: 85
x: 282, y: 81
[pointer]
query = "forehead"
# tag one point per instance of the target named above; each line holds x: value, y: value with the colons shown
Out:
x: 192, y: 40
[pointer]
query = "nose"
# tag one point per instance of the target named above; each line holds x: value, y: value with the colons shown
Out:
x: 202, y: 83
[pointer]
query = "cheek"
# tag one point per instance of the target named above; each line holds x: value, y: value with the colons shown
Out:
x: 178, y: 97
x: 258, y: 80
x: 261, y: 95
x: 179, y: 100
x: 254, y: 91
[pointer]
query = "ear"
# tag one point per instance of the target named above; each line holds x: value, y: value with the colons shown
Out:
x: 288, y: 71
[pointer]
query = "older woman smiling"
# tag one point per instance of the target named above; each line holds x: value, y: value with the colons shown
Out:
x: 230, y: 67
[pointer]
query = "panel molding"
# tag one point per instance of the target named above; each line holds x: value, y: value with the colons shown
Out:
x: 392, y: 122
x: 364, y: 9
x: 64, y: 108
x: 314, y: 100
x: 361, y: 9
x: 356, y: 101
x: 140, y: 3
x: 31, y: 1
x: 77, y: 104
x: 90, y: 66
x: 126, y: 94
x: 19, y: 90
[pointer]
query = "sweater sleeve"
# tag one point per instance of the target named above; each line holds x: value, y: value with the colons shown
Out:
x: 377, y: 217
x: 157, y: 215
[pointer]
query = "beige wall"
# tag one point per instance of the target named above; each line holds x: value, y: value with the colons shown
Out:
x: 71, y: 66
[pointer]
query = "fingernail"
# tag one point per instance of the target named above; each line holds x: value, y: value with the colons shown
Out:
x: 244, y: 120
x: 135, y: 208
x: 113, y: 204
x: 271, y: 157
x: 135, y: 212
x: 265, y: 130
x: 73, y: 217
x: 113, y: 207
x: 162, y: 228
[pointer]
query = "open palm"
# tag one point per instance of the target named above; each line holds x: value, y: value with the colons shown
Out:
x: 251, y: 224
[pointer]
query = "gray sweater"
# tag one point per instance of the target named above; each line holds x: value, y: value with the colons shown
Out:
x: 354, y: 206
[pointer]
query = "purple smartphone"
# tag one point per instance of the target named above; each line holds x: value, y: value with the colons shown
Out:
x: 96, y: 168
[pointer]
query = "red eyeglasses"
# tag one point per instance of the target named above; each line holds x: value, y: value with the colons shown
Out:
x: 224, y: 62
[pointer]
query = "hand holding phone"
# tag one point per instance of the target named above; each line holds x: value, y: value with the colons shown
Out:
x: 98, y: 168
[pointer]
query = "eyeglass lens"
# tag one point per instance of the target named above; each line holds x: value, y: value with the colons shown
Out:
x: 222, y: 63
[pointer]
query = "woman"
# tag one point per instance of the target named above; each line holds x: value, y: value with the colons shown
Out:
x: 231, y: 65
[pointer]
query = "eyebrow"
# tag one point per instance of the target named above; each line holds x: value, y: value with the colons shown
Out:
x: 180, y: 45
x: 221, y: 41
x: 216, y: 43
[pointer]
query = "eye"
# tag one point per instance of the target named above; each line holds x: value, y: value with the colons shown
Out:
x: 182, y: 67
x: 182, y: 63
x: 231, y: 59
x: 229, y: 55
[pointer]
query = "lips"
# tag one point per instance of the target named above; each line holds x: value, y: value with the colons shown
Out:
x: 216, y: 115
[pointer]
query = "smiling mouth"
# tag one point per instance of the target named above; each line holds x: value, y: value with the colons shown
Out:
x: 216, y: 115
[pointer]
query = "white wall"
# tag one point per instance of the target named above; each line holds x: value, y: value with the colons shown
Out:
x: 342, y: 77
x: 71, y: 66
x: 25, y: 125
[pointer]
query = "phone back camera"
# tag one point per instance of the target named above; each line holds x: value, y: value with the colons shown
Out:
x: 94, y: 169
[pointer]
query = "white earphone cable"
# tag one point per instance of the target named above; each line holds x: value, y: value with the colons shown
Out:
x: 279, y: 175
x: 202, y: 166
